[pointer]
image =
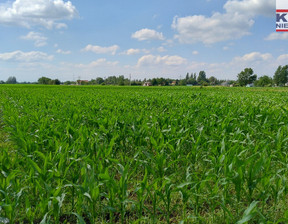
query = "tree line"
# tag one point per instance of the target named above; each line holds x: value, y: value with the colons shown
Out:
x: 247, y: 77
x: 244, y: 78
x: 190, y: 79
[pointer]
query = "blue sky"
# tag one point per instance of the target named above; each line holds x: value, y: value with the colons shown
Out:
x: 153, y: 38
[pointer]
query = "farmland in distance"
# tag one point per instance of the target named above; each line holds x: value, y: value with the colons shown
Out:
x: 73, y: 154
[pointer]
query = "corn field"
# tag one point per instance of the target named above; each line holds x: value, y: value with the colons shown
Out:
x: 74, y: 154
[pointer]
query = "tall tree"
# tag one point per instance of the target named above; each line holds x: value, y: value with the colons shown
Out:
x: 183, y: 82
x: 264, y: 81
x: 154, y: 82
x: 213, y: 81
x: 99, y: 80
x: 194, y: 76
x: 281, y: 75
x: 202, y: 77
x: 11, y: 80
x: 44, y: 80
x: 120, y: 80
x: 246, y: 77
x: 55, y: 82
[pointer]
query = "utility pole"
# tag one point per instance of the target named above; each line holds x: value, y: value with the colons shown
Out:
x: 130, y: 79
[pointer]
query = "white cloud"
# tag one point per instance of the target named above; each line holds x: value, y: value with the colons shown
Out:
x: 217, y: 28
x: 195, y: 52
x: 283, y: 58
x: 21, y: 56
x: 261, y: 63
x: 233, y: 24
x: 28, y: 13
x: 168, y: 42
x: 102, y: 50
x: 152, y: 60
x: 60, y: 51
x: 251, y: 8
x: 161, y: 49
x: 100, y: 62
x: 147, y: 34
x: 133, y: 51
x: 253, y: 57
x: 38, y: 38
x: 277, y: 36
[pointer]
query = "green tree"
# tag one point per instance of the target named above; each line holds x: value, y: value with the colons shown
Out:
x: 281, y: 75
x: 193, y: 76
x: 136, y: 83
x: 120, y: 80
x: 57, y: 82
x: 99, y: 80
x: 183, y: 82
x: 202, y: 77
x: 154, y: 82
x: 246, y: 77
x: 44, y: 80
x: 69, y: 83
x: 213, y: 81
x: 264, y: 81
x: 11, y: 80
x: 192, y: 80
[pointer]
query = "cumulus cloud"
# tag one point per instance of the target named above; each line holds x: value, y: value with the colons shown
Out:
x: 253, y: 57
x: 209, y: 30
x: 262, y: 64
x: 235, y: 23
x: 161, y: 49
x: 38, y: 38
x: 147, y: 34
x: 28, y: 13
x: 133, y: 51
x: 251, y: 8
x: 60, y: 51
x: 97, y: 63
x: 102, y: 50
x: 151, y: 60
x: 277, y: 36
x: 21, y: 56
x: 283, y: 58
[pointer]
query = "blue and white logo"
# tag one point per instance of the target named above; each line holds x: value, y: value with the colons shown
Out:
x: 282, y: 16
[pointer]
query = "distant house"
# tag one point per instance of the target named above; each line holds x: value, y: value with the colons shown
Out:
x: 174, y: 83
x: 250, y: 85
x: 147, y: 84
x: 80, y: 82
x: 226, y: 83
